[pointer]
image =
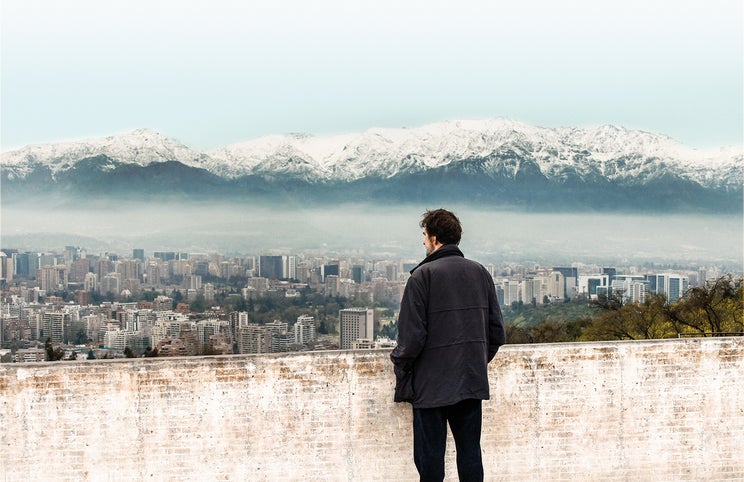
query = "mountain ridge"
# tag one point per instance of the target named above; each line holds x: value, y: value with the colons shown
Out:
x: 493, y: 161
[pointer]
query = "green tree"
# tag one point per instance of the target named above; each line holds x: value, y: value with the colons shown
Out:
x: 53, y: 354
x: 711, y: 310
x: 198, y: 305
x: 632, y: 321
x: 81, y: 336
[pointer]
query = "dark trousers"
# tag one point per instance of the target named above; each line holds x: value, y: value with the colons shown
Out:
x: 430, y: 440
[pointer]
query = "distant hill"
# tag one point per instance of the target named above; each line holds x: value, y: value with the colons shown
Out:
x: 498, y: 162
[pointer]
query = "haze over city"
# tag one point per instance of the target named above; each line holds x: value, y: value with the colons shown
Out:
x: 226, y: 72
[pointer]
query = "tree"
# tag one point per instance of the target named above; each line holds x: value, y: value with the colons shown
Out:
x: 632, y: 321
x: 714, y: 309
x: 198, y: 305
x: 128, y: 352
x: 81, y: 336
x: 91, y: 355
x: 53, y: 354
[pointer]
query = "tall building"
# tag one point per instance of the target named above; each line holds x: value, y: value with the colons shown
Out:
x: 673, y: 286
x: 556, y: 285
x: 111, y: 283
x: 610, y: 272
x: 532, y: 290
x: 676, y: 287
x: 52, y: 278
x: 271, y: 267
x: 25, y: 264
x: 78, y: 269
x: 6, y: 267
x: 138, y: 253
x: 570, y: 281
x: 512, y: 292
x: 594, y: 285
x: 327, y: 270
x: 253, y: 338
x: 357, y: 273
x: 164, y: 255
x: 304, y: 329
x: 53, y: 325
x: 355, y: 324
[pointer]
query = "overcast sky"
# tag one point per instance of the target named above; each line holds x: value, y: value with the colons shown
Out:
x: 214, y: 72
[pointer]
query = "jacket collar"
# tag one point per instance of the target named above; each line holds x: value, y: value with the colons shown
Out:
x: 444, y: 251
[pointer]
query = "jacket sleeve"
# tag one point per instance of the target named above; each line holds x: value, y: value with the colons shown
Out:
x: 412, y: 325
x: 496, y: 332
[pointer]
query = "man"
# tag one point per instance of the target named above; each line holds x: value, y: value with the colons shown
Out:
x: 449, y: 328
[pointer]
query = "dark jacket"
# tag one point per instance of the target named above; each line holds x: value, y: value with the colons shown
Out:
x: 449, y: 328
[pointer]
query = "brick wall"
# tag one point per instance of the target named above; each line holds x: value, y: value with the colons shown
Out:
x: 668, y: 410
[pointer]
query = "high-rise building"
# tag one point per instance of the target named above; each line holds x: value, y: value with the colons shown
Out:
x: 677, y: 286
x: 6, y: 267
x: 111, y: 283
x: 53, y: 325
x: 594, y: 285
x: 253, y: 338
x: 164, y: 255
x: 357, y: 273
x: 673, y: 286
x: 138, y: 253
x: 271, y: 267
x: 153, y: 273
x: 391, y: 272
x: 90, y: 282
x: 532, y: 290
x: 610, y: 272
x: 355, y: 324
x: 78, y: 269
x: 512, y: 292
x: 103, y: 267
x: 52, y: 278
x: 556, y: 285
x: 25, y: 264
x: 570, y: 281
x: 304, y: 329
x: 328, y: 270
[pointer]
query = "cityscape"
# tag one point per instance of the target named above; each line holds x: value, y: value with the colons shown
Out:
x: 74, y: 304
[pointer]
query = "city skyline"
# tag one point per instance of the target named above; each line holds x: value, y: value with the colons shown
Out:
x: 178, y: 304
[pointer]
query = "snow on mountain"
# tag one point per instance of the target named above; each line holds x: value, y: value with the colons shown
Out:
x: 141, y: 147
x: 612, y: 152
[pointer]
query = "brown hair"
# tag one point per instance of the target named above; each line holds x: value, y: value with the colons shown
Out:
x: 443, y: 224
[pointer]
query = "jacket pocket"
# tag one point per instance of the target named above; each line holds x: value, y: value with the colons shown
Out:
x: 403, y: 385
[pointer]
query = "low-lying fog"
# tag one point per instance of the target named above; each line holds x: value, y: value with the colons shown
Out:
x: 489, y: 236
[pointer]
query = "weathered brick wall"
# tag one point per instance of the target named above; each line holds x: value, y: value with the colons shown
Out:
x: 656, y: 410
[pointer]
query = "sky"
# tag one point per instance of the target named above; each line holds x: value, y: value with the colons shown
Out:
x: 216, y: 72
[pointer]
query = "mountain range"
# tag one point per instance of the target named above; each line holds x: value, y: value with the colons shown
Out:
x: 497, y: 162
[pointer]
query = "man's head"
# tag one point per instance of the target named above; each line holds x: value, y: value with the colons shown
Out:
x: 440, y: 227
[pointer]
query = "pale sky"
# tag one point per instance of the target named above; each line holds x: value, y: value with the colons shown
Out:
x: 216, y: 72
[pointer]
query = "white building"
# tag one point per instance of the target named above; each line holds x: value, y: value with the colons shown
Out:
x: 304, y: 329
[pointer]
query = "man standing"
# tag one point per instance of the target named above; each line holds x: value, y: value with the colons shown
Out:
x: 449, y: 328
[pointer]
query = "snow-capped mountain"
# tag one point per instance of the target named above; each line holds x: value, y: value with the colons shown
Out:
x: 385, y: 153
x: 484, y: 161
x: 141, y: 147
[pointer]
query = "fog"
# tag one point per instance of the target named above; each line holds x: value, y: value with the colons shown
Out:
x: 373, y: 231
